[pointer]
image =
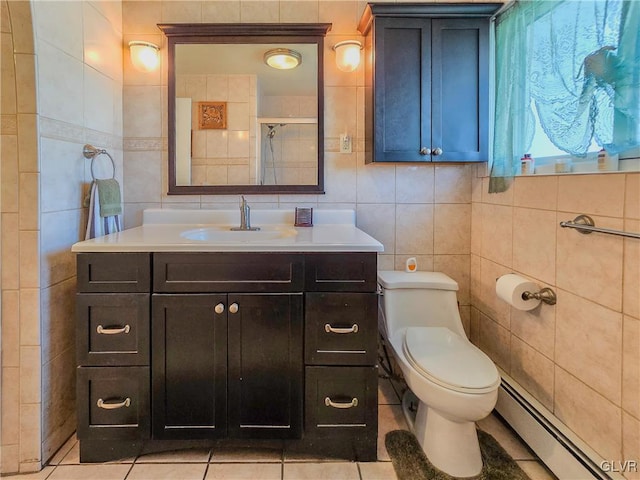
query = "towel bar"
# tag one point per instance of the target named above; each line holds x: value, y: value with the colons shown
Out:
x: 89, y: 151
x: 585, y: 224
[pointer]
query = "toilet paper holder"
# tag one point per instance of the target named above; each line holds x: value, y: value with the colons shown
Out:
x: 545, y: 295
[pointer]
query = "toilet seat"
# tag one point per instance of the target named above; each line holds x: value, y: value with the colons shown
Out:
x: 449, y: 361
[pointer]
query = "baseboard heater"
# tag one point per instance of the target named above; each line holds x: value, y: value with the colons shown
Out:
x: 568, y: 457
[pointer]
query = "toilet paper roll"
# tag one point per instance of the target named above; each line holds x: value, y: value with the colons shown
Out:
x: 510, y: 288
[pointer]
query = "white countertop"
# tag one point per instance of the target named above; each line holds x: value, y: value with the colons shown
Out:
x: 166, y: 230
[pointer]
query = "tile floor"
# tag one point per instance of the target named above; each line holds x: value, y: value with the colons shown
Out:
x: 269, y: 463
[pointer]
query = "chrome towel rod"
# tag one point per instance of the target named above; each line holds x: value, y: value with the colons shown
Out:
x: 585, y: 224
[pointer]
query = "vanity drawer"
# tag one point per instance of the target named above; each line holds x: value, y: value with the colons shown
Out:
x: 113, y: 272
x: 112, y: 329
x: 227, y: 272
x: 341, y: 272
x: 113, y: 403
x: 341, y: 328
x: 342, y: 398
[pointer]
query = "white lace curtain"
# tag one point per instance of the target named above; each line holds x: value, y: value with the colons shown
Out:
x: 578, y: 64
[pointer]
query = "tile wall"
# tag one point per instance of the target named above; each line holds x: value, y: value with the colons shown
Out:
x: 21, y: 396
x: 421, y: 211
x: 222, y: 156
x: 581, y: 357
x: 68, y: 55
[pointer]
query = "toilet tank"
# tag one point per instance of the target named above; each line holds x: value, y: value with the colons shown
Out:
x: 418, y: 299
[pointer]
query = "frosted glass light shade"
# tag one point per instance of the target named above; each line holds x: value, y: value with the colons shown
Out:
x: 144, y: 55
x: 282, y: 58
x: 347, y: 55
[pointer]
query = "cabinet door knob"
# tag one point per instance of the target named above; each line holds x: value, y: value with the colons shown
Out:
x: 352, y: 329
x: 112, y: 331
x: 233, y: 308
x: 219, y: 308
x: 437, y: 151
x: 113, y: 405
x: 330, y: 403
x: 425, y: 151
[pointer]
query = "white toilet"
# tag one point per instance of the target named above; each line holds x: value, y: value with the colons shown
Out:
x: 456, y: 383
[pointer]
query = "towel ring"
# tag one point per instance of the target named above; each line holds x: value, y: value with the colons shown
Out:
x: 89, y: 151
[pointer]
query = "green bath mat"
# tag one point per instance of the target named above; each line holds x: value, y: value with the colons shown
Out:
x: 410, y: 462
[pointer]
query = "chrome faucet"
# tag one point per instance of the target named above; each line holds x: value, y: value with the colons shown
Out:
x: 245, y: 217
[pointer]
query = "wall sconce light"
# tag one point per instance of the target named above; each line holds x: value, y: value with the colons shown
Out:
x: 282, y: 58
x: 347, y: 55
x: 144, y: 55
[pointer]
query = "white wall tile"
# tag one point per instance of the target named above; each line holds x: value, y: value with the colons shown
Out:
x: 102, y: 43
x: 62, y: 175
x: 48, y: 16
x: 98, y: 101
x: 60, y: 79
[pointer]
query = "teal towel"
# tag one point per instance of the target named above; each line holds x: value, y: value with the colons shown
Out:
x: 109, y: 197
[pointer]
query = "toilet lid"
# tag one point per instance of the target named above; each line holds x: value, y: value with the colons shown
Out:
x: 450, y: 361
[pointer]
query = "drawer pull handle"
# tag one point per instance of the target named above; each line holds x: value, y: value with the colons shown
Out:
x: 330, y: 403
x: 112, y: 331
x: 233, y: 308
x: 113, y: 406
x: 352, y: 329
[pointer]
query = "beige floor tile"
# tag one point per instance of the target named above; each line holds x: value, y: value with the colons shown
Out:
x: 386, y: 393
x: 195, y: 455
x: 63, y: 450
x: 377, y: 471
x: 390, y: 417
x: 41, y: 475
x: 168, y: 471
x: 73, y: 455
x: 507, y: 439
x: 316, y: 471
x: 90, y: 472
x: 246, y: 454
x: 535, y: 470
x: 244, y: 471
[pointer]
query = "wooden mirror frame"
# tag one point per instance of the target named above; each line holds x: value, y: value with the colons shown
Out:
x: 198, y: 33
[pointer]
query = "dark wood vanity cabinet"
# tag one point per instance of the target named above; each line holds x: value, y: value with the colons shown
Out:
x: 227, y: 345
x: 235, y: 373
x: 113, y: 354
x: 427, y: 85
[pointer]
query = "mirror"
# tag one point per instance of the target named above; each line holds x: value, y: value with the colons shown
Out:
x: 237, y: 125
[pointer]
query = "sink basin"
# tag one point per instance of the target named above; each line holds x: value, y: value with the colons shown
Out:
x: 224, y: 233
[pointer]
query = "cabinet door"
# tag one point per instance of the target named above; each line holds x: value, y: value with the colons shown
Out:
x: 189, y: 359
x: 402, y: 85
x: 265, y: 366
x: 460, y: 90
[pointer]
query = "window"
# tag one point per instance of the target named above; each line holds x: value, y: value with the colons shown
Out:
x: 567, y: 83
